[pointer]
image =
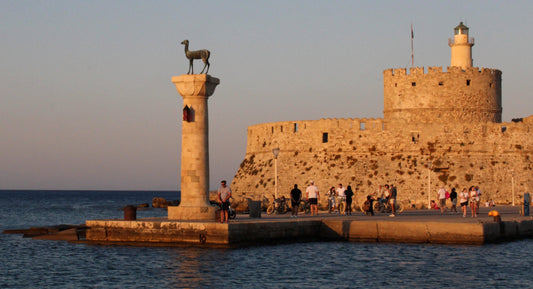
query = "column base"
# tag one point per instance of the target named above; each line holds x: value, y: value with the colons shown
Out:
x: 192, y: 213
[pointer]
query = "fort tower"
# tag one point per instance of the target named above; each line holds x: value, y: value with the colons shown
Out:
x: 461, y: 46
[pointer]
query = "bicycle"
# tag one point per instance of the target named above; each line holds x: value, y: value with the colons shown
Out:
x: 383, y: 206
x: 278, y: 206
x: 304, y: 206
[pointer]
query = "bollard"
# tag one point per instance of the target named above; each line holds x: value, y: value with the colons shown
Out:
x: 254, y: 208
x: 130, y: 213
x: 526, y: 204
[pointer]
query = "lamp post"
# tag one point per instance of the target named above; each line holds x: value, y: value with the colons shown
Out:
x: 429, y: 184
x: 512, y: 183
x: 275, y: 151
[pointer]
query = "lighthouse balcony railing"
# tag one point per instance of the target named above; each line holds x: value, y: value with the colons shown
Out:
x: 451, y: 41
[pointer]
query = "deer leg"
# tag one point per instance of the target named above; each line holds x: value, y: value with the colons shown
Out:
x: 191, y: 69
x: 206, y: 64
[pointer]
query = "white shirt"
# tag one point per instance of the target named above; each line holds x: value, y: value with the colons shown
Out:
x: 312, y: 192
x: 463, y: 196
x: 442, y: 193
x: 340, y: 192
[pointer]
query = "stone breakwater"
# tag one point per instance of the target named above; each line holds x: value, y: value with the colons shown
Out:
x: 410, y: 227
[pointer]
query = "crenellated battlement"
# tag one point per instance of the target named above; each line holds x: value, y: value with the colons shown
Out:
x: 459, y: 94
x: 434, y: 70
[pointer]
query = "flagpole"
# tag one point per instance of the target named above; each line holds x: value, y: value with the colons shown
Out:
x: 412, y: 49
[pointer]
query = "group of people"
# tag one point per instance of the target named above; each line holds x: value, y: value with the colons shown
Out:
x: 335, y: 195
x: 466, y: 197
x: 384, y: 194
x: 339, y: 195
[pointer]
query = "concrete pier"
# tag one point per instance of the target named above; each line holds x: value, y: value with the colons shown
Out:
x: 409, y: 227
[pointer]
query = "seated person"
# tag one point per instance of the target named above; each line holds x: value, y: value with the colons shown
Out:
x: 368, y: 206
x: 434, y: 205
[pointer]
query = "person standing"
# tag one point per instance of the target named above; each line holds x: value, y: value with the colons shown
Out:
x: 331, y: 199
x: 296, y: 197
x: 442, y: 199
x: 392, y: 200
x: 473, y: 202
x: 349, y: 194
x: 224, y: 193
x: 463, y: 200
x: 453, y: 197
x: 342, y: 196
x: 313, y: 196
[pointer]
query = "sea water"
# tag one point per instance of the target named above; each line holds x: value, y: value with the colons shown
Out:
x: 28, y: 263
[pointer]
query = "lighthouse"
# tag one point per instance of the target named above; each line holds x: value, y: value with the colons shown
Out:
x: 461, y: 46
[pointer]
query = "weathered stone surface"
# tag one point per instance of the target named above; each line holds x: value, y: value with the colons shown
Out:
x: 273, y: 231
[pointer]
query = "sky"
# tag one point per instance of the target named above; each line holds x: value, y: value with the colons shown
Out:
x: 86, y: 100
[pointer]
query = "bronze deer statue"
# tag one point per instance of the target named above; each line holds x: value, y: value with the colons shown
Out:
x: 198, y: 54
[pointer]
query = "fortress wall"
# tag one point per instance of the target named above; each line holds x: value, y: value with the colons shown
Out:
x: 471, y: 95
x: 486, y: 154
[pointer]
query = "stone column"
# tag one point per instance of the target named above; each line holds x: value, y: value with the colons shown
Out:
x: 194, y: 205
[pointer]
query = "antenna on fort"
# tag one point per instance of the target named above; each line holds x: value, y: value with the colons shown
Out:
x: 412, y: 47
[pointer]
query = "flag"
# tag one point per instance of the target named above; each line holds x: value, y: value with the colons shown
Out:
x: 412, y: 33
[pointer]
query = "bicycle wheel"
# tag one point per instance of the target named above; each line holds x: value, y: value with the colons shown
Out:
x: 377, y: 207
x: 301, y: 206
x: 342, y: 207
x: 399, y: 207
x: 270, y: 210
x: 361, y: 207
x: 283, y: 209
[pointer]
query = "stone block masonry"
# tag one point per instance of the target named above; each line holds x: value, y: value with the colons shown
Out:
x: 364, y: 153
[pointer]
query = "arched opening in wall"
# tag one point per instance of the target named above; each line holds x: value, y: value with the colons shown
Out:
x: 281, y: 128
x: 295, y: 127
x: 324, y: 137
x: 468, y: 82
x: 413, y: 83
x: 383, y: 126
x: 272, y: 129
x: 504, y: 128
x: 362, y: 126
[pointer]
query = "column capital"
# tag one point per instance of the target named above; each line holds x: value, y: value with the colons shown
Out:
x: 195, y: 84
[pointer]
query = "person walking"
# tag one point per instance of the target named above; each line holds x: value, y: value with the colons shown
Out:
x: 296, y: 197
x: 341, y: 195
x: 442, y: 199
x: 392, y: 200
x: 313, y: 196
x: 463, y: 200
x: 453, y: 198
x: 223, y: 194
x: 349, y: 195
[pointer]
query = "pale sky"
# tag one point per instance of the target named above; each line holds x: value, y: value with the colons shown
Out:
x: 86, y: 100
